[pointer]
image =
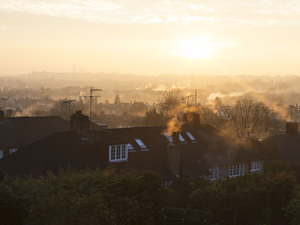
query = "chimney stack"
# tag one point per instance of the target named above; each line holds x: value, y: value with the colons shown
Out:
x: 191, y: 120
x: 292, y: 128
x: 1, y: 116
x: 80, y: 123
x: 174, y: 155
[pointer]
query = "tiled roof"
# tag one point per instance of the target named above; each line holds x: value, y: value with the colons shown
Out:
x: 285, y: 147
x: 59, y: 149
x: 22, y: 131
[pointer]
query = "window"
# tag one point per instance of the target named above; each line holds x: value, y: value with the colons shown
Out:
x: 1, y: 154
x: 118, y: 153
x: 141, y: 144
x: 168, y: 183
x: 191, y: 137
x: 12, y: 150
x: 214, y: 173
x: 255, y: 166
x: 181, y: 139
x: 170, y: 139
x: 130, y: 148
x: 236, y: 170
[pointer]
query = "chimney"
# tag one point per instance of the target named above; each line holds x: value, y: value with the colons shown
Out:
x: 1, y: 116
x: 191, y: 120
x: 291, y: 128
x: 80, y: 123
x: 174, y: 155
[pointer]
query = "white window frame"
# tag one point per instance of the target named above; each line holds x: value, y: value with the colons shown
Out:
x: 118, y: 153
x: 236, y: 169
x: 255, y: 165
x: 214, y: 173
x: 168, y: 183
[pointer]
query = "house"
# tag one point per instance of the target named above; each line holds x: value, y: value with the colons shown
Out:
x: 51, y: 153
x: 197, y: 150
x: 285, y: 147
x: 19, y: 132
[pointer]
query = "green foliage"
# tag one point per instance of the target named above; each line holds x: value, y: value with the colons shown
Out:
x: 292, y: 212
x: 11, y: 210
x: 86, y: 197
x: 275, y: 166
x: 131, y: 198
x: 251, y: 199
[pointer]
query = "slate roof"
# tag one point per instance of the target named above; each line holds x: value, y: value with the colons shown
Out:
x: 22, y: 131
x: 284, y: 147
x: 60, y: 149
x: 210, y: 148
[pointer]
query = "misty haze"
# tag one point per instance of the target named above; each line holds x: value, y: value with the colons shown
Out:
x: 149, y: 112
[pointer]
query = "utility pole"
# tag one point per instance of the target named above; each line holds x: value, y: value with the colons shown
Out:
x: 91, y: 98
x: 69, y: 103
x: 195, y: 98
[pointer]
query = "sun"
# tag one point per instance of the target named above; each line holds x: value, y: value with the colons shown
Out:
x: 197, y: 48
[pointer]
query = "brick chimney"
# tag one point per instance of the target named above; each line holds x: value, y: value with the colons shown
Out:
x: 174, y: 155
x: 1, y: 116
x: 292, y: 128
x: 191, y: 120
x: 80, y: 123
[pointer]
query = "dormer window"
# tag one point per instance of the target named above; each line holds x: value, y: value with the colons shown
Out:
x: 118, y: 153
x: 181, y: 139
x: 12, y: 150
x: 170, y: 139
x: 141, y: 144
x: 130, y: 148
x: 193, y: 139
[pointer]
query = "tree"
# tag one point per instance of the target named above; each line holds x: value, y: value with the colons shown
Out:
x: 117, y: 100
x: 171, y: 100
x: 251, y: 199
x: 153, y: 118
x: 252, y: 118
x: 292, y: 211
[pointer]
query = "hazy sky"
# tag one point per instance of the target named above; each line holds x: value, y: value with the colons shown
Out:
x: 260, y: 37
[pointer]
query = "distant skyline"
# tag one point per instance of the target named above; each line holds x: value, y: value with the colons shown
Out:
x: 150, y: 37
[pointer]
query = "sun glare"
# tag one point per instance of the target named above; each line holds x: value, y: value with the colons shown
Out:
x: 198, y: 48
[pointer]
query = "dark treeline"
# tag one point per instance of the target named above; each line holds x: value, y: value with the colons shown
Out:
x: 131, y: 197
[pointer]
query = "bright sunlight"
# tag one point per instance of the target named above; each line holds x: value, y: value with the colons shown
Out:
x: 197, y: 48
